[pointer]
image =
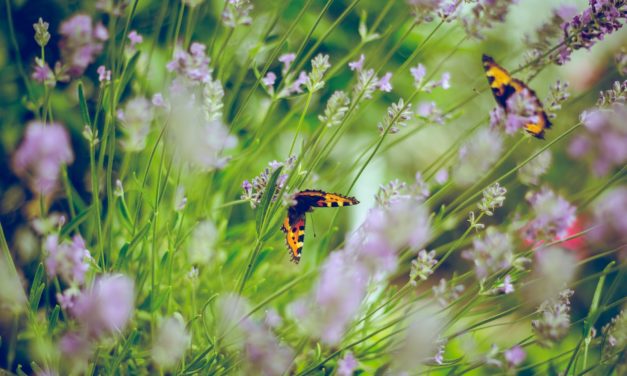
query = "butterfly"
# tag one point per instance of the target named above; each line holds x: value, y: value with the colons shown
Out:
x: 503, y: 86
x: 294, y: 223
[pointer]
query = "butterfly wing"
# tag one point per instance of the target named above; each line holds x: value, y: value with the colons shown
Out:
x: 499, y: 79
x: 294, y: 229
x: 320, y: 199
x: 503, y: 86
x: 542, y: 120
x: 294, y: 223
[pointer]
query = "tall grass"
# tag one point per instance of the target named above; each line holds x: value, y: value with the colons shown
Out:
x: 157, y: 247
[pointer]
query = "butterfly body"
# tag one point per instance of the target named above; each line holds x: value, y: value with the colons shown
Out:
x: 294, y: 222
x: 504, y: 86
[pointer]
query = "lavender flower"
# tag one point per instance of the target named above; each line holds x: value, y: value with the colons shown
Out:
x: 106, y: 307
x: 515, y: 356
x: 601, y: 18
x: 609, y: 216
x: 616, y: 94
x: 553, y: 325
x: 200, y: 138
x: 616, y: 333
x: 530, y: 173
x: 493, y: 198
x: 336, y: 109
x: 605, y: 138
x: 506, y: 287
x: 484, y: 14
x: 430, y: 113
x: 104, y: 75
x: 180, y: 199
x: 272, y: 319
x: 336, y: 298
x: 171, y: 343
x: 76, y: 347
x: 135, y: 120
x: 384, y: 83
x: 418, y: 73
x: 255, y: 190
x: 441, y: 176
x: 558, y: 94
x: 444, y: 83
x: 287, y: 60
x: 319, y: 66
x: 405, y: 223
x: 268, y: 81
x: 264, y: 354
x: 553, y: 215
x: 397, y: 190
x: 70, y: 261
x: 134, y: 39
x: 43, y: 74
x: 422, y: 267
x: 194, y: 66
x: 42, y: 36
x: 477, y: 155
x: 81, y: 43
x: 158, y: 101
x: 424, y: 10
x: 38, y: 159
x: 237, y: 13
x: 491, y: 253
x: 347, y: 365
x: 296, y: 86
x: 397, y: 116
x: 365, y: 86
x: 548, y: 33
x: 357, y: 65
x: 439, y: 355
x: 445, y: 293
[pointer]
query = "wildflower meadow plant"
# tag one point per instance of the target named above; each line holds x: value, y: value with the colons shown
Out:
x: 153, y: 151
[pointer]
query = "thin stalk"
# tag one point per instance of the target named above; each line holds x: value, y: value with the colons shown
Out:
x: 300, y: 122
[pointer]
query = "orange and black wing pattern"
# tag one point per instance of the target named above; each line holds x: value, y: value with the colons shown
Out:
x: 294, y: 229
x: 321, y: 199
x: 503, y: 86
x: 294, y: 222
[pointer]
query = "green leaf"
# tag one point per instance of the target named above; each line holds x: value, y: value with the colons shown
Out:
x: 53, y: 318
x: 594, y: 306
x: 121, y: 255
x: 273, y: 228
x: 129, y: 71
x: 125, y: 350
x: 75, y: 222
x: 198, y: 362
x: 36, y: 296
x: 37, y: 288
x: 83, y: 104
x: 266, y: 199
x: 124, y: 214
x: 19, y: 371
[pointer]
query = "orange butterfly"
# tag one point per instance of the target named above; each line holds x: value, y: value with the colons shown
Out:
x: 294, y: 223
x: 503, y: 86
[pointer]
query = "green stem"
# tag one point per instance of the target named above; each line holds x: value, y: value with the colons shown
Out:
x: 300, y: 122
